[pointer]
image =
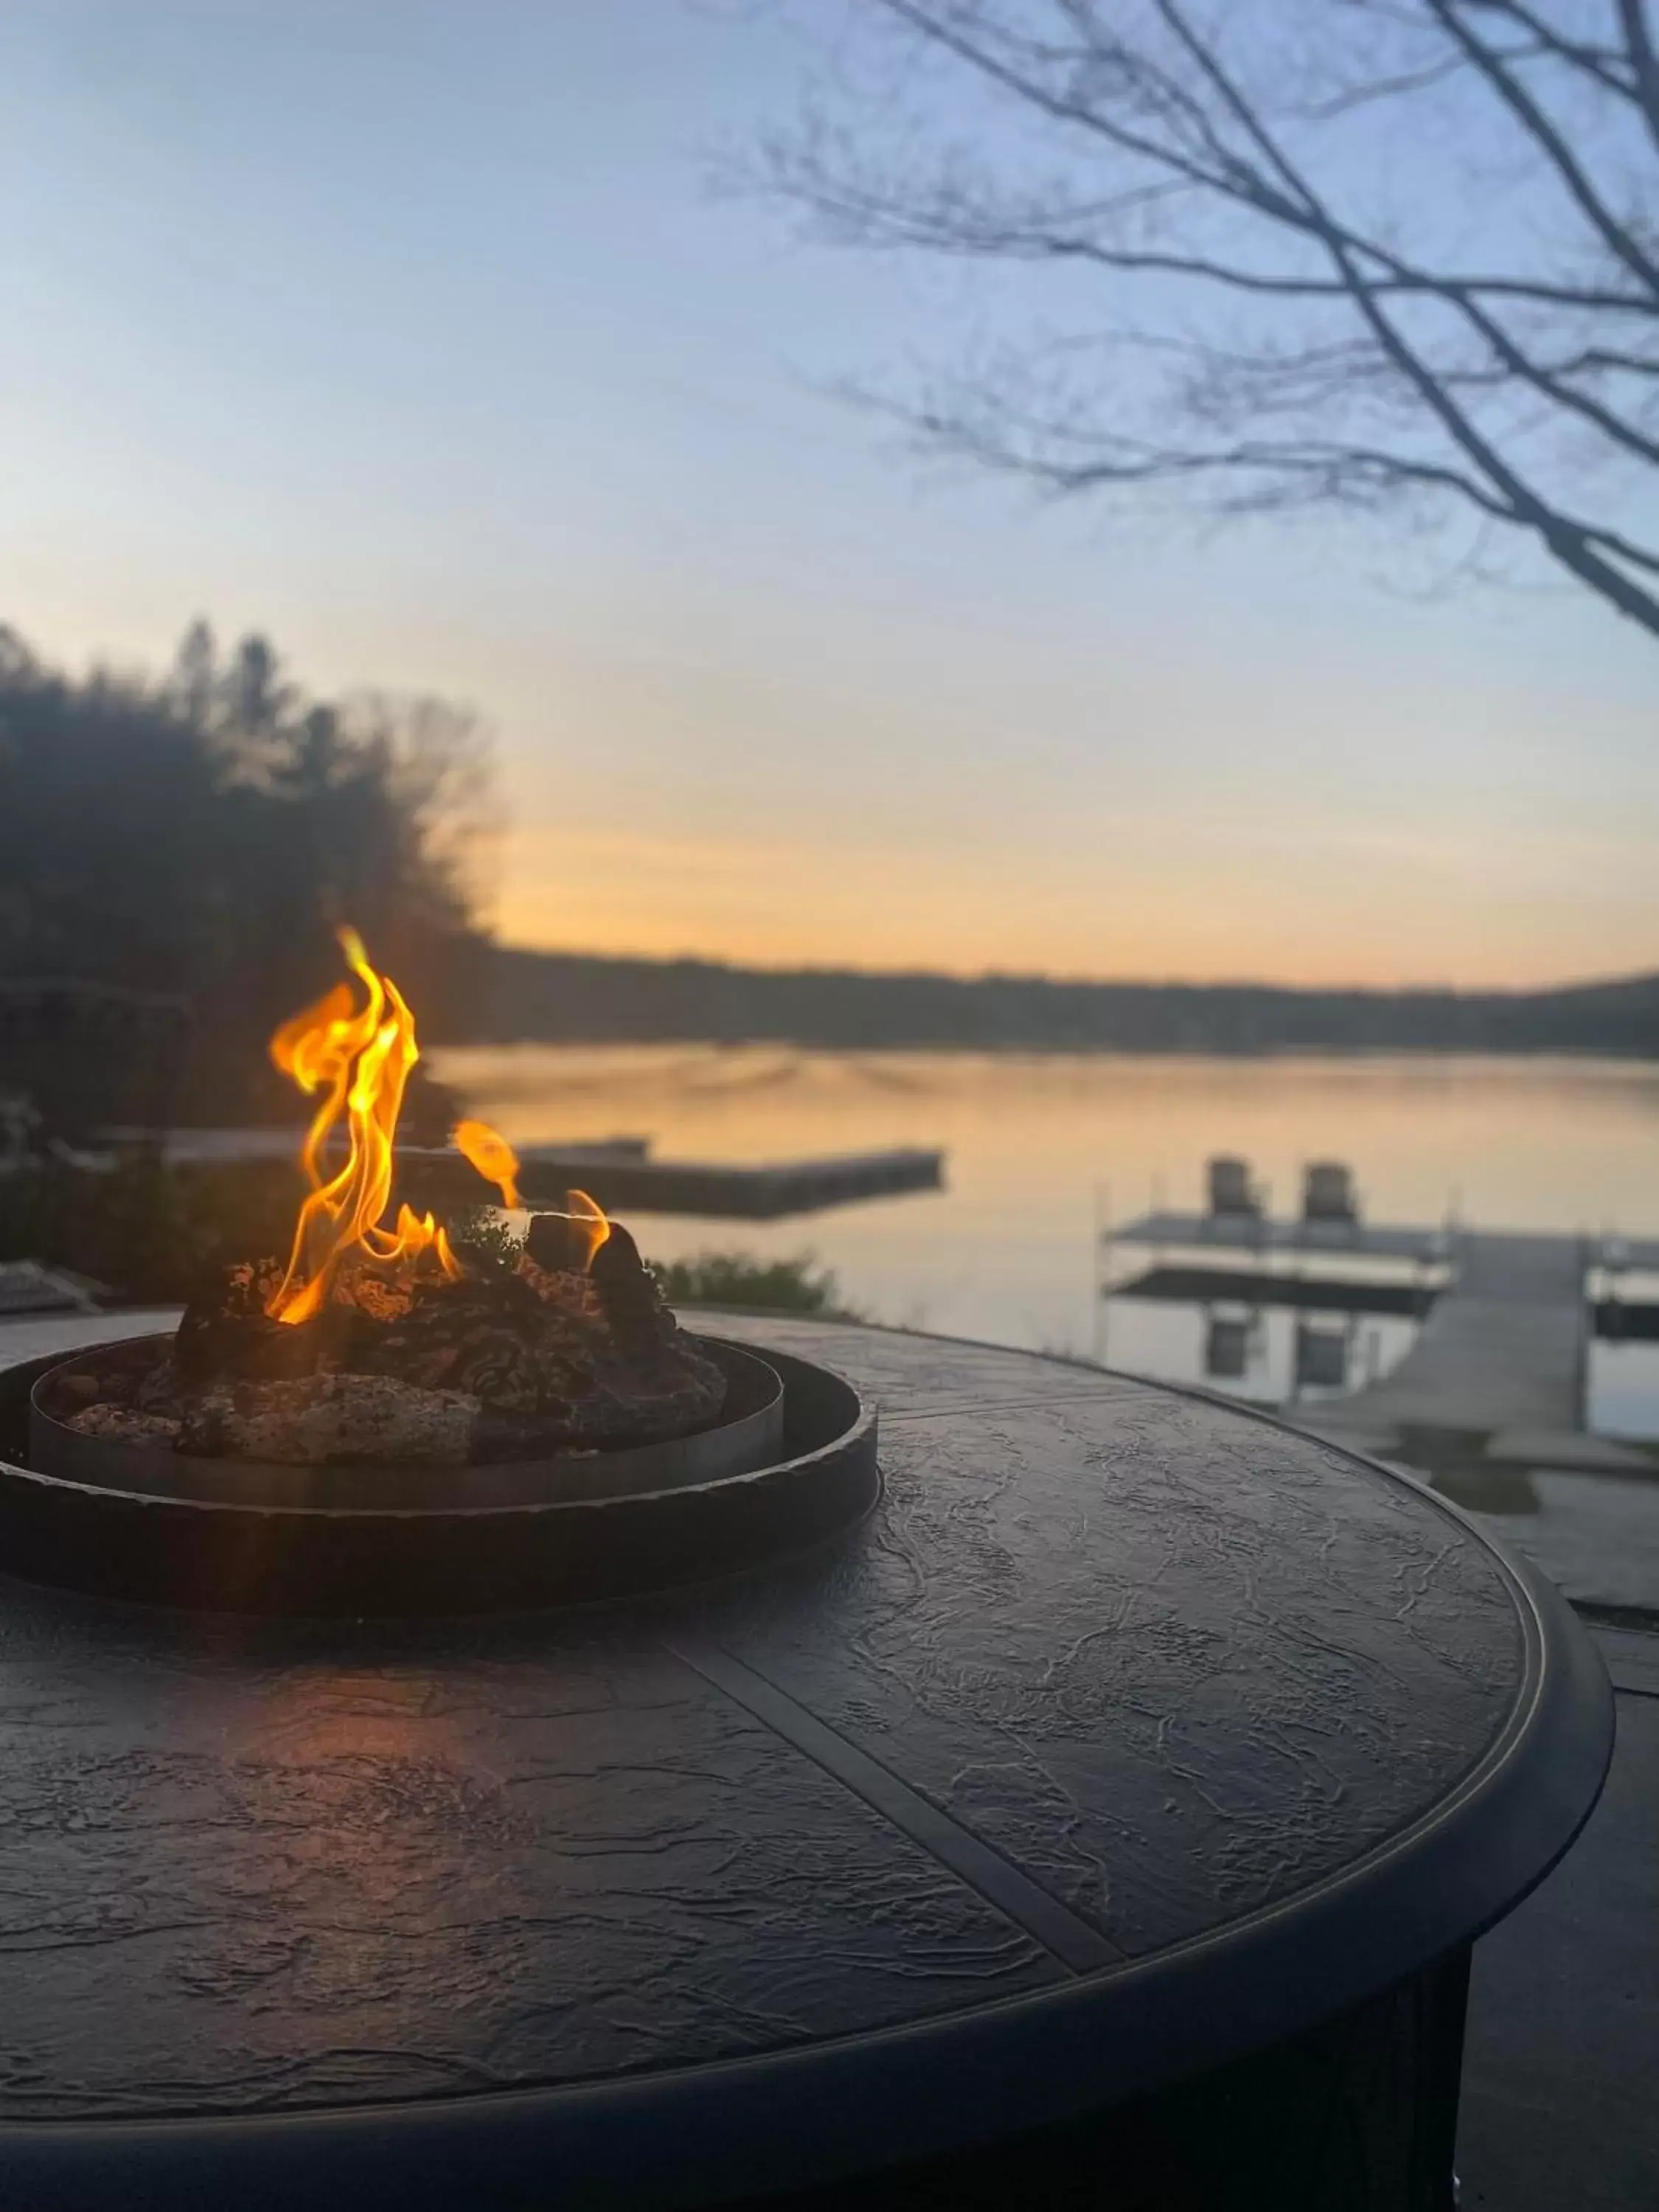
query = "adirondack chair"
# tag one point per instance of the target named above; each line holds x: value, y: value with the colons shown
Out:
x: 1328, y: 1194
x: 1232, y: 1193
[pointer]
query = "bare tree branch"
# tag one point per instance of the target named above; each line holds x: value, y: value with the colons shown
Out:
x: 1644, y: 63
x: 1609, y: 66
x: 1367, y: 94
x: 1620, y: 240
x: 1180, y: 175
x: 1565, y: 539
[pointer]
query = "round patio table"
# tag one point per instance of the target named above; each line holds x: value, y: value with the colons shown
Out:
x: 1106, y: 1818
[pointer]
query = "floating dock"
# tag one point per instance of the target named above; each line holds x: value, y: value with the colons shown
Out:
x: 1257, y: 1234
x: 618, y: 1171
x: 1255, y: 1286
x: 198, y: 1148
x: 769, y: 1192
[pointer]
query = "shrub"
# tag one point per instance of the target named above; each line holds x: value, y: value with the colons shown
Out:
x: 740, y: 1278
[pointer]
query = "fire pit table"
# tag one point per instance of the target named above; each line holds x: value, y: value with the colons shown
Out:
x: 1105, y: 1816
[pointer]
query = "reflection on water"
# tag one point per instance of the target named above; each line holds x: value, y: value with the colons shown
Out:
x: 1039, y: 1148
x: 1623, y: 1389
x: 1263, y: 1355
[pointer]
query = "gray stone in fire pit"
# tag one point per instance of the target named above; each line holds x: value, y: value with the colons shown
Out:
x: 1131, y: 1737
x: 319, y: 1418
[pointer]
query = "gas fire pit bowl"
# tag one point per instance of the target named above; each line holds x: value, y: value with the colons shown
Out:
x: 1098, y: 1810
x: 748, y: 1435
x: 791, y: 1459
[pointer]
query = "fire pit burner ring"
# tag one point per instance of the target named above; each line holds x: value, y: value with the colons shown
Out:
x: 750, y: 1435
x: 792, y: 1461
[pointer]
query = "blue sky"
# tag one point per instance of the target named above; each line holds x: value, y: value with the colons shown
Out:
x: 413, y: 335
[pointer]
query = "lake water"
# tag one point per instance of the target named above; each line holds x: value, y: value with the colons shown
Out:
x: 1042, y: 1149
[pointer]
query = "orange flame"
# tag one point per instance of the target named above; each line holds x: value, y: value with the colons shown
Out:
x: 360, y: 1061
x: 490, y: 1152
x: 587, y: 1215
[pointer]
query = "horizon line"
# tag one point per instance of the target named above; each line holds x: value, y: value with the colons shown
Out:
x: 1622, y: 978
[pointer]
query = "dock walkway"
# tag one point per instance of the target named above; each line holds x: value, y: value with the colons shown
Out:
x: 1503, y: 1350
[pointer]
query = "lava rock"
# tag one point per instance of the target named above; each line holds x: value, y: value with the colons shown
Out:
x: 628, y: 1293
x: 479, y: 1334
x: 548, y: 1358
x: 542, y: 1352
x: 225, y: 1332
x: 125, y: 1425
x: 558, y: 1243
x: 324, y: 1417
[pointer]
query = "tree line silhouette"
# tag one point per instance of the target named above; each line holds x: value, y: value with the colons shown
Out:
x: 586, y: 998
x: 185, y: 846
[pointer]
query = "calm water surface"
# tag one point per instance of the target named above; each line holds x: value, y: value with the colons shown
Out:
x: 1041, y: 1148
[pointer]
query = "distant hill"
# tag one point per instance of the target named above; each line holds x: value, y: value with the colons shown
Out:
x: 580, y: 998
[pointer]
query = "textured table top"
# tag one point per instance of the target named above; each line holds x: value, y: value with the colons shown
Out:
x: 1128, y: 1730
